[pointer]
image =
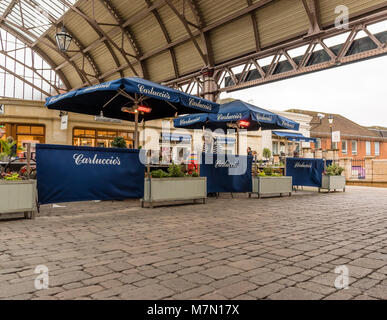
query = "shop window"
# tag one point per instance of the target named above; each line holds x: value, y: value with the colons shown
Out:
x: 275, y: 148
x: 100, y: 138
x: 29, y: 134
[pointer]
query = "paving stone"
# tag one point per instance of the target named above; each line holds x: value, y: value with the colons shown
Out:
x: 194, y: 294
x: 248, y: 264
x: 70, y: 277
x: 79, y: 292
x: 267, y: 290
x: 369, y: 263
x: 293, y: 293
x: 289, y: 270
x: 178, y: 284
x: 287, y: 253
x: 379, y: 292
x: 145, y: 260
x: 317, y: 288
x: 236, y: 289
x: 197, y: 278
x: 10, y: 290
x: 265, y: 278
x: 220, y: 272
x: 151, y: 292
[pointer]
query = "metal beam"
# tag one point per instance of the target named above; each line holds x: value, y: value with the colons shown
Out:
x: 126, y: 33
x: 158, y: 4
x: 304, y: 64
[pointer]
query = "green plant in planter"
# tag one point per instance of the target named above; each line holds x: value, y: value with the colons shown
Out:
x: 334, y: 170
x: 267, y: 153
x: 119, y: 142
x: 175, y: 171
x: 269, y: 172
x: 159, y: 174
x: 10, y: 176
x: 6, y: 147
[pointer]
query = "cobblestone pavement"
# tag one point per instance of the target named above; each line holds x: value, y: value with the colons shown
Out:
x: 277, y: 248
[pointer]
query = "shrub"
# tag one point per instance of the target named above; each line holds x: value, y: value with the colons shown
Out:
x: 175, y: 171
x: 119, y: 142
x: 268, y: 171
x: 334, y: 170
x: 267, y: 153
x: 159, y: 174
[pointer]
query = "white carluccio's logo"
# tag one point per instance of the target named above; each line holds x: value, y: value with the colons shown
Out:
x: 152, y: 92
x: 189, y: 121
x: 60, y: 97
x: 81, y: 159
x: 229, y: 116
x: 226, y: 164
x: 303, y: 165
x: 287, y: 124
x: 198, y: 104
x: 96, y: 87
x: 261, y: 117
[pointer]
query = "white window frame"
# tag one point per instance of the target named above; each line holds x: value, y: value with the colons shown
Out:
x: 377, y: 149
x: 344, y: 151
x: 368, y: 148
x: 354, y: 152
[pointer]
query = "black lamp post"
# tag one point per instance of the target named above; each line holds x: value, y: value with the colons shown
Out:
x: 63, y: 39
x: 330, y: 119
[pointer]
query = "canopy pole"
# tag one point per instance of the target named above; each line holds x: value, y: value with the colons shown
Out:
x: 136, y: 135
x: 238, y: 151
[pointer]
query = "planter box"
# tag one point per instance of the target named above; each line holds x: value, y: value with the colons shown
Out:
x: 272, y: 185
x: 174, y: 189
x: 333, y: 183
x: 18, y: 197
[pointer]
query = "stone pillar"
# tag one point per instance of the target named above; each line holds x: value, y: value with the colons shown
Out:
x: 347, y: 165
x: 210, y: 88
x: 369, y: 167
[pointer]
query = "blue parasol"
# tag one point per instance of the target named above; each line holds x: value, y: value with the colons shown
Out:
x: 131, y: 99
x: 237, y: 114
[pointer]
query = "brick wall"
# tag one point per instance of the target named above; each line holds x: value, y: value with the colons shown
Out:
x: 361, y: 149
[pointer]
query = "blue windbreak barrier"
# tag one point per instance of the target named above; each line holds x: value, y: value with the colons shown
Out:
x: 67, y: 174
x: 294, y: 136
x: 305, y: 172
x: 110, y: 97
x: 227, y: 173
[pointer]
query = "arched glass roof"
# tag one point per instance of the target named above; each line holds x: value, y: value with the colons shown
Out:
x: 23, y: 72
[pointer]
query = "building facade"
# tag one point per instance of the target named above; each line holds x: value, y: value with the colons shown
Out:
x: 356, y: 141
x: 31, y: 122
